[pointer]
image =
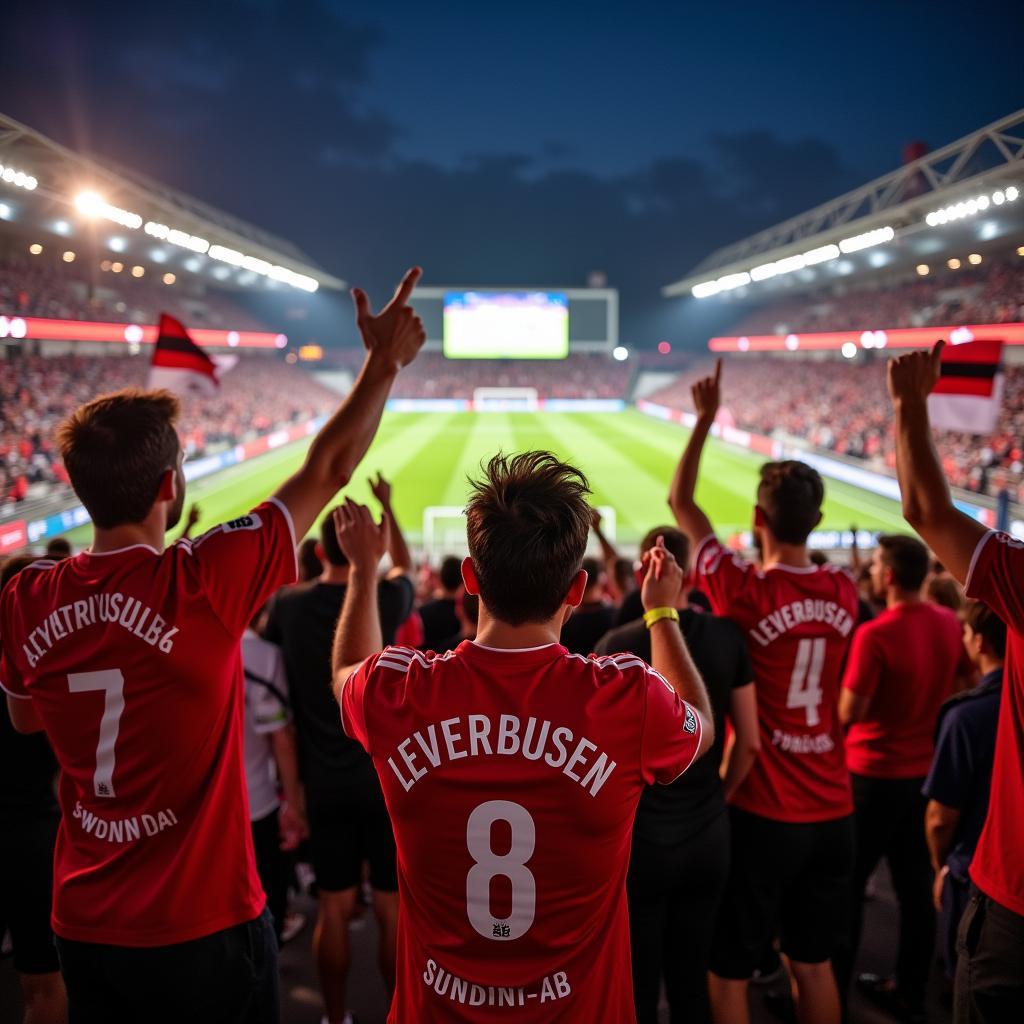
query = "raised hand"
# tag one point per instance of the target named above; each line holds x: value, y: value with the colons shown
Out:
x: 381, y: 490
x: 663, y: 577
x: 707, y: 394
x: 363, y: 541
x: 912, y: 377
x: 395, y: 333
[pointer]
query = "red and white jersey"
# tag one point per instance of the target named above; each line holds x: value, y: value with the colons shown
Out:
x: 997, y: 578
x: 131, y: 659
x: 512, y: 779
x: 798, y: 623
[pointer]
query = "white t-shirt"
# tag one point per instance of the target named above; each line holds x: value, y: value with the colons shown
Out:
x: 266, y: 711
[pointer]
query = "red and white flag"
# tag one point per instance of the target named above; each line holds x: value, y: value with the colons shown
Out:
x: 179, y: 364
x: 969, y: 392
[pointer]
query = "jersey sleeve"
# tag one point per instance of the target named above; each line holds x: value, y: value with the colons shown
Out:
x: 996, y: 577
x: 243, y: 562
x: 864, y: 665
x: 671, y: 731
x: 10, y: 678
x: 719, y: 573
x: 951, y: 778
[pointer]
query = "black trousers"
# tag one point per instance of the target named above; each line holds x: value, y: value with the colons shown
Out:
x: 228, y: 977
x: 889, y: 822
x: 272, y: 867
x: 989, y: 986
x: 674, y: 894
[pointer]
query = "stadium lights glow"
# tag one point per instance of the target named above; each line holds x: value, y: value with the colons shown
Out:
x: 970, y: 207
x: 68, y: 257
x: 974, y: 259
x: 1020, y: 250
x: 138, y: 271
x: 19, y: 179
x: 620, y: 353
x: 116, y: 268
x: 92, y: 205
x: 821, y: 254
x: 62, y: 227
x: 849, y: 350
x: 35, y: 248
x: 922, y: 269
x: 169, y: 278
x: 953, y: 264
x: 117, y: 244
x: 5, y: 212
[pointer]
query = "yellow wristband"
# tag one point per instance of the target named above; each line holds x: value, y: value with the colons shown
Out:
x: 657, y: 614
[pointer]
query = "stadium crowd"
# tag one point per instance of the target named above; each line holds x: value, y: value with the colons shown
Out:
x: 258, y: 395
x: 46, y: 286
x: 841, y: 406
x: 800, y: 723
x: 992, y: 293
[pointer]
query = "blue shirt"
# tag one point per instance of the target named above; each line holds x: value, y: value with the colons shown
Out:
x: 961, y: 772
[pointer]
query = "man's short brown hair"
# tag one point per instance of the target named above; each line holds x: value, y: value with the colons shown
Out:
x: 908, y: 559
x: 790, y: 495
x: 116, y: 449
x: 676, y: 543
x: 527, y: 523
x: 987, y: 625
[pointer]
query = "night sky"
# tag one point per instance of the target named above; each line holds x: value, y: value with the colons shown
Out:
x: 522, y: 143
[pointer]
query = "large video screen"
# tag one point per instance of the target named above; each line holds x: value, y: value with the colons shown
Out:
x: 506, y: 325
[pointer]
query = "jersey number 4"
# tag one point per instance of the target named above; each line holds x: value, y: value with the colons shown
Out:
x: 805, y: 683
x: 488, y: 865
x: 111, y: 682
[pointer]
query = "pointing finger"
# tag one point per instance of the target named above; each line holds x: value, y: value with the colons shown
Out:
x: 362, y: 303
x: 405, y: 287
x: 718, y: 369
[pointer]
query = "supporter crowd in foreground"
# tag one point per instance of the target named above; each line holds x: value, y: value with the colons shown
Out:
x: 841, y: 406
x: 257, y: 396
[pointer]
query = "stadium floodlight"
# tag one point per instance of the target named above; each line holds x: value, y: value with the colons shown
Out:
x: 5, y: 212
x: 849, y: 350
x: 971, y: 207
x: 867, y: 239
x: 90, y: 204
x: 18, y: 178
x: 620, y: 353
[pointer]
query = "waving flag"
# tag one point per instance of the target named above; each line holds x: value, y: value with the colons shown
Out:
x: 179, y: 364
x: 969, y: 393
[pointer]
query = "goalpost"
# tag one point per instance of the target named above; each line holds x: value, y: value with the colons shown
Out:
x: 505, y: 400
x: 444, y: 530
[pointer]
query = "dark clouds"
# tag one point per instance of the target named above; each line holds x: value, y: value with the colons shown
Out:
x: 267, y: 109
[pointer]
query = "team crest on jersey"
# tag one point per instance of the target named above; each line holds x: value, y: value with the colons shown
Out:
x: 250, y: 522
x: 690, y: 723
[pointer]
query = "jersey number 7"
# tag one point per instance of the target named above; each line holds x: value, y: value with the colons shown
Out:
x: 111, y: 682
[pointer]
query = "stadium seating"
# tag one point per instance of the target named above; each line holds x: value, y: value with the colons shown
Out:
x: 258, y: 395
x: 843, y: 407
x: 987, y: 294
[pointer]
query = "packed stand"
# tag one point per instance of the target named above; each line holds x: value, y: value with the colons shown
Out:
x: 258, y: 395
x: 42, y: 287
x: 990, y: 294
x: 841, y: 406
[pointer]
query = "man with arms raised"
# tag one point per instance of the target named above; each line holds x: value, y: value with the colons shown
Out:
x: 989, y: 983
x: 511, y: 768
x: 128, y: 657
x: 792, y: 833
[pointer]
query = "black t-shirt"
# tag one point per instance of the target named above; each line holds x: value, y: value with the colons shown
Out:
x: 672, y: 814
x: 439, y: 622
x: 27, y: 771
x: 587, y: 624
x: 302, y: 623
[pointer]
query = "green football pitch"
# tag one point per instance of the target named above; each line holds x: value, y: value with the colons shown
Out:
x: 628, y: 458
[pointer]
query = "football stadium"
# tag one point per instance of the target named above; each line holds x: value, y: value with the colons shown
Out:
x: 277, y: 555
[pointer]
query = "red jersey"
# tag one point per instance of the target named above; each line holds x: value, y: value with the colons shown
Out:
x: 798, y: 624
x: 997, y: 578
x: 512, y: 779
x: 906, y: 662
x: 131, y: 659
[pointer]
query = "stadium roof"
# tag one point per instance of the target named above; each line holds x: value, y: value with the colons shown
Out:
x: 966, y: 194
x: 56, y: 176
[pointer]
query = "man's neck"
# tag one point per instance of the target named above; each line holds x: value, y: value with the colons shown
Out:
x: 895, y: 597
x: 334, y: 574
x: 150, y: 532
x: 987, y: 664
x: 776, y: 553
x: 494, y: 633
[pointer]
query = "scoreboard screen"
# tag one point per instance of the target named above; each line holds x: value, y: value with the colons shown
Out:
x: 506, y: 325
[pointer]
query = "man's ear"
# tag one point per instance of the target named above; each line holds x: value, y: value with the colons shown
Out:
x: 469, y: 579
x: 760, y: 519
x: 574, y: 597
x: 168, y: 489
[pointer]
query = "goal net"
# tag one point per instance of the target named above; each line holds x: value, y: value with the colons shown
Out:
x: 444, y: 531
x: 505, y: 400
